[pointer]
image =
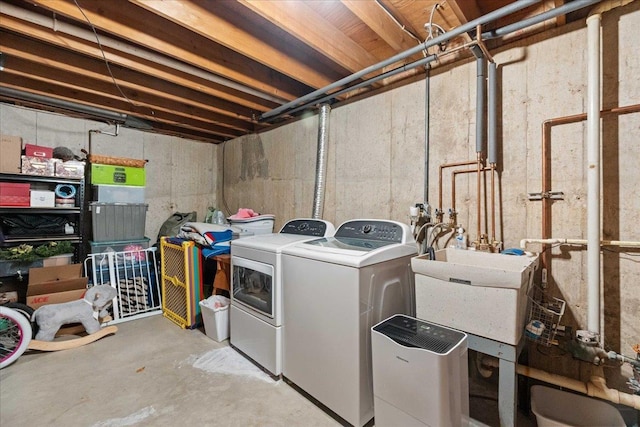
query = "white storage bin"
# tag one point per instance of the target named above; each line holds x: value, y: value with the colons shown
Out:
x: 215, y: 316
x: 118, y: 193
x: 261, y: 224
x: 557, y: 408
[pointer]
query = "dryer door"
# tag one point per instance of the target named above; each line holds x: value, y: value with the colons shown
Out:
x: 252, y: 284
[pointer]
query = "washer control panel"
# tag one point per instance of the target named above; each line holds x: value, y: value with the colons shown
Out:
x: 386, y: 231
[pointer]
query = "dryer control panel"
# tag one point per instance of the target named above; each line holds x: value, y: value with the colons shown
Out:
x: 305, y: 227
x: 386, y: 231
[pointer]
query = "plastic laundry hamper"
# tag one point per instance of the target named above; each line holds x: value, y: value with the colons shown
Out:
x: 557, y: 408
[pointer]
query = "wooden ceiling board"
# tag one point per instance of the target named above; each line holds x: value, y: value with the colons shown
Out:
x: 208, y: 70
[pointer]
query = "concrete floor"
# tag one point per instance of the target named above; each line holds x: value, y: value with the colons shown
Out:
x: 152, y: 373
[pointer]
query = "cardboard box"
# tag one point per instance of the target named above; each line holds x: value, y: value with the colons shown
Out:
x: 10, y: 149
x: 53, y: 285
x: 38, y: 166
x: 14, y: 194
x: 38, y: 151
x: 43, y: 199
x: 70, y: 169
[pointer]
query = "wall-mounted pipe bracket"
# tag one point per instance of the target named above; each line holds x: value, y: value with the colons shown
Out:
x: 553, y: 195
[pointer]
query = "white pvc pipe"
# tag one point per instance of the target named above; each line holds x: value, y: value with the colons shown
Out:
x: 562, y: 241
x: 593, y: 173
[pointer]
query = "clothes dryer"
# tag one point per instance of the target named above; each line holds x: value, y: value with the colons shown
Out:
x: 336, y: 289
x: 256, y: 290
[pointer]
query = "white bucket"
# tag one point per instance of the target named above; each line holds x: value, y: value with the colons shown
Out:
x: 557, y: 408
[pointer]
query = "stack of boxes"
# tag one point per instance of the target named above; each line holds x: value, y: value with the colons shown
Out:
x: 37, y: 161
x: 118, y: 211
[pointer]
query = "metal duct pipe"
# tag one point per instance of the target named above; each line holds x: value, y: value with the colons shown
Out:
x: 489, y: 17
x: 321, y: 161
x: 593, y: 173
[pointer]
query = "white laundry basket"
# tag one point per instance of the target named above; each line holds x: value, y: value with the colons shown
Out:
x: 557, y: 408
x: 216, y: 319
x: 261, y: 224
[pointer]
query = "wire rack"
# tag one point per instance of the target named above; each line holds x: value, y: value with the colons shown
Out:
x: 543, y: 317
x: 134, y: 274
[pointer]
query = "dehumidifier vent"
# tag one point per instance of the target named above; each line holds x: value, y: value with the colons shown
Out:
x: 425, y: 336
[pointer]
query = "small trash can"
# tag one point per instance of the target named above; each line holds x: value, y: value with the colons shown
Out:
x: 215, y: 316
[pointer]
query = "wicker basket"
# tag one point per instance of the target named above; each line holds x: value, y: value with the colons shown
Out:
x: 117, y: 161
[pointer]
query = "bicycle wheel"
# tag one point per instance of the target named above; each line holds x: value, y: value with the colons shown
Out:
x: 27, y: 312
x: 15, y: 335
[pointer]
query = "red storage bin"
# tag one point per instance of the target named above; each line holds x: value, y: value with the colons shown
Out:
x: 38, y: 151
x: 15, y: 194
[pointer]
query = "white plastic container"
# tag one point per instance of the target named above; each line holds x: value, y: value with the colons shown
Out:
x: 261, y: 224
x: 216, y: 318
x: 557, y: 408
x: 479, y: 293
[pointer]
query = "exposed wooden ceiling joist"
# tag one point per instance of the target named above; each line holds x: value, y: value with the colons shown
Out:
x: 208, y: 70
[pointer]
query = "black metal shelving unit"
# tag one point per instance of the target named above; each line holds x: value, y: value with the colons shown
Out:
x: 78, y: 213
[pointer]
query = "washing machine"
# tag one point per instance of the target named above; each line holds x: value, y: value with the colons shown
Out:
x: 336, y: 289
x: 256, y: 290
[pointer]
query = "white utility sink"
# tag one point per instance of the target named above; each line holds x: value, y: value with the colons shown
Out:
x: 480, y: 293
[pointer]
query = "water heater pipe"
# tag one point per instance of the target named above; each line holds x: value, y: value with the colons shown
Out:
x: 321, y: 161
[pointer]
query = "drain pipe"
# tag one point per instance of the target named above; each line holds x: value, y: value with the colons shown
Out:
x: 321, y: 161
x: 593, y: 166
x: 593, y: 174
x: 427, y: 97
x: 492, y: 141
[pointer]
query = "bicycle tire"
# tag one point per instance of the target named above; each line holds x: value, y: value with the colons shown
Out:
x: 27, y: 312
x: 15, y: 335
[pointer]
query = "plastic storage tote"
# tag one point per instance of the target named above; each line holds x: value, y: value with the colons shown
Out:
x: 119, y: 175
x: 119, y: 245
x: 215, y: 316
x: 118, y: 221
x: 557, y: 408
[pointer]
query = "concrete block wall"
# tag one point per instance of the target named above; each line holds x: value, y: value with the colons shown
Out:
x: 376, y: 165
x: 181, y: 174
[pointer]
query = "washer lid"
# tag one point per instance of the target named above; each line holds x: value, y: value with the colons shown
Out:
x: 359, y: 243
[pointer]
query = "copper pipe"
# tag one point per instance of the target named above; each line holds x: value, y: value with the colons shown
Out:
x: 481, y: 44
x: 546, y: 171
x: 453, y: 182
x: 442, y: 167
